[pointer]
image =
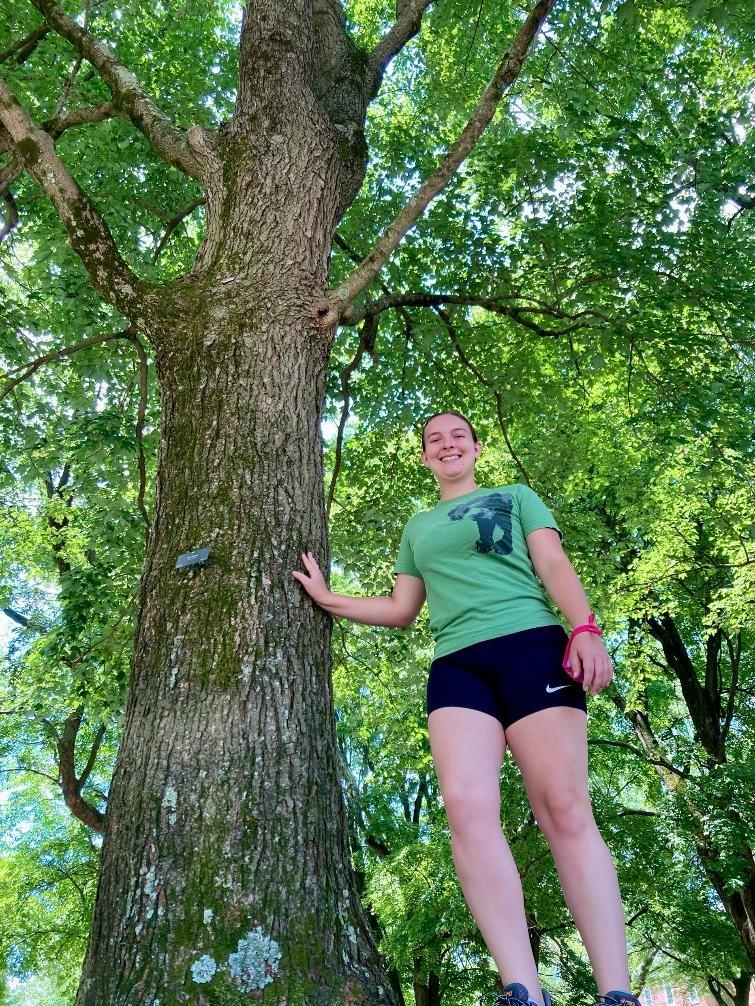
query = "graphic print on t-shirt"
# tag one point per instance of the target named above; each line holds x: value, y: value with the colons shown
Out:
x: 489, y: 513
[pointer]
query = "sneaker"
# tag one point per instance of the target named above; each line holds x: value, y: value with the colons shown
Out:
x: 515, y: 994
x: 617, y: 998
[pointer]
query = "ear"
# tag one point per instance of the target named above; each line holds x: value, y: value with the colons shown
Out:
x: 423, y: 459
x: 478, y: 449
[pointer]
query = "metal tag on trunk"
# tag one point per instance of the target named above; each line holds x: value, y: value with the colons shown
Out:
x: 196, y: 558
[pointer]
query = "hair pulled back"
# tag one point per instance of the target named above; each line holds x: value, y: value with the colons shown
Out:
x: 448, y: 412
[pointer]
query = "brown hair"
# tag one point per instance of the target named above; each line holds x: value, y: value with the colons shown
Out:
x: 448, y: 412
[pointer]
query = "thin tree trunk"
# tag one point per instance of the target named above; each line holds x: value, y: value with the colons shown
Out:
x: 426, y: 993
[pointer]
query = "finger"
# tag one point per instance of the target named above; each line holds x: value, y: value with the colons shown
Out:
x: 588, y: 673
x: 576, y: 666
x: 608, y: 674
x: 603, y: 677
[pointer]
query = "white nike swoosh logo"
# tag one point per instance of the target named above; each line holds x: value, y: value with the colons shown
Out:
x: 556, y: 689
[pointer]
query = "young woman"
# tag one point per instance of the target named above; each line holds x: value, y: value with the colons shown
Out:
x: 497, y: 681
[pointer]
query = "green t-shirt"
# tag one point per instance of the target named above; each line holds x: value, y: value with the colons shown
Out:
x: 472, y: 554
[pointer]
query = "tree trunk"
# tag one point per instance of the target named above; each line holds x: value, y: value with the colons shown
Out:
x: 723, y: 994
x: 426, y: 993
x: 226, y: 822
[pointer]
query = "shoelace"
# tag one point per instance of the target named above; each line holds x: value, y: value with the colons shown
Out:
x: 503, y: 1000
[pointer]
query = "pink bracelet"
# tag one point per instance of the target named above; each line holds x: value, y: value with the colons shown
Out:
x: 590, y: 627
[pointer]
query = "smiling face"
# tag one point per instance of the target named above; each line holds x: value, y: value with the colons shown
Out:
x: 450, y: 451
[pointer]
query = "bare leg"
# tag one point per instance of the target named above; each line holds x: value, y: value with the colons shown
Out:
x: 550, y: 748
x: 468, y: 748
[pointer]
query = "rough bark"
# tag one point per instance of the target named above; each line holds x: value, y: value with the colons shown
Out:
x: 231, y: 670
x: 225, y: 812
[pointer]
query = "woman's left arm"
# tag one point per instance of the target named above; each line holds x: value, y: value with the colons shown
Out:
x: 590, y: 661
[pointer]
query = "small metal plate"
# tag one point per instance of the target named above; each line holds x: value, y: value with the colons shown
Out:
x: 196, y: 558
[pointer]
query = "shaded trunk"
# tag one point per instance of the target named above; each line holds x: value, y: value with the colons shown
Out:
x: 426, y: 993
x: 739, y: 901
x: 226, y: 827
x: 724, y: 995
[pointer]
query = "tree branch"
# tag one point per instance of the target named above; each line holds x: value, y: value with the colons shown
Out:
x: 25, y: 46
x: 174, y: 222
x: 69, y: 783
x: 141, y: 413
x: 486, y: 384
x: 672, y: 776
x: 16, y: 616
x: 10, y: 215
x: 493, y: 304
x: 408, y: 23
x: 170, y: 143
x: 88, y: 234
x: 508, y: 70
x: 366, y: 345
x: 83, y: 116
x: 55, y: 126
x: 33, y: 365
x: 98, y: 738
x: 704, y: 713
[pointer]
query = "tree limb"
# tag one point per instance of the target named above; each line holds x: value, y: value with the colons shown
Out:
x: 88, y: 234
x: 83, y: 116
x: 140, y: 415
x: 672, y: 776
x: 55, y: 126
x: 473, y: 369
x: 174, y: 222
x: 33, y: 365
x: 367, y: 338
x: 408, y: 23
x: 508, y: 70
x: 16, y: 616
x: 70, y: 784
x: 10, y: 215
x: 25, y: 46
x: 171, y: 143
x: 98, y: 738
x: 493, y: 304
x: 703, y: 708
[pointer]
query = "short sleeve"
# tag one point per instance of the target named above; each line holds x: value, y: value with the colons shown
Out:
x: 533, y: 513
x: 405, y: 560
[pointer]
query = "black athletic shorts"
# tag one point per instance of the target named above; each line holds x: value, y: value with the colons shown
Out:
x: 508, y: 677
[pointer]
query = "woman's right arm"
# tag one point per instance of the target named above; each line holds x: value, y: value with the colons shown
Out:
x: 399, y: 610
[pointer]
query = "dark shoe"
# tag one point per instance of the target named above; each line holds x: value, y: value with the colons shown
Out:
x: 514, y: 994
x: 617, y: 998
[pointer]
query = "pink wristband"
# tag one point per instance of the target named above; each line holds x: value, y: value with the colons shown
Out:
x: 590, y: 627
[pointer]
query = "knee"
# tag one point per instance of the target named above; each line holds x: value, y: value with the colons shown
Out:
x: 470, y: 812
x: 564, y: 812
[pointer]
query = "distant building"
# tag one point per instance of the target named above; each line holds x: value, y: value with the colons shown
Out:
x: 679, y: 995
